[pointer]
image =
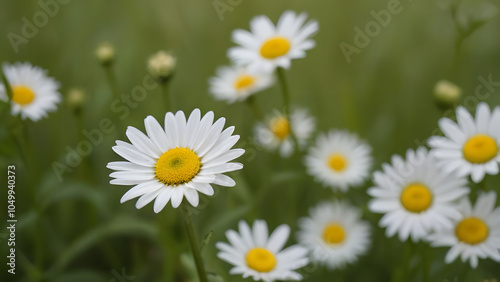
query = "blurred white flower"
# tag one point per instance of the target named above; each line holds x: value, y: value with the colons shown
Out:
x: 176, y: 162
x: 233, y: 84
x: 447, y: 93
x: 470, y: 147
x: 34, y: 94
x: 276, y: 133
x: 256, y: 254
x: 75, y: 98
x: 161, y: 65
x: 476, y: 234
x: 267, y: 46
x: 339, y: 159
x: 105, y: 53
x: 415, y: 196
x: 334, y: 234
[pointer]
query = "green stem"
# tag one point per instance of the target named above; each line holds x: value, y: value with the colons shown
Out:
x: 80, y: 136
x: 402, y: 274
x: 457, y: 61
x: 18, y: 139
x: 113, y: 84
x: 252, y: 104
x: 426, y: 262
x: 464, y: 272
x: 407, y: 260
x: 284, y: 88
x: 165, y: 226
x: 188, y: 223
x: 341, y: 275
x: 286, y: 102
x: 167, y: 96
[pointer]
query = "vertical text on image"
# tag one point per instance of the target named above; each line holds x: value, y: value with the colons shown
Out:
x: 11, y: 220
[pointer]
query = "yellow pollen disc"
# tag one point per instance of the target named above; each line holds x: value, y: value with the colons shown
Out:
x: 416, y: 198
x: 177, y: 166
x: 261, y: 260
x: 471, y: 230
x: 334, y: 234
x: 280, y: 127
x: 480, y: 149
x: 337, y: 162
x: 22, y: 95
x: 275, y: 47
x: 244, y: 81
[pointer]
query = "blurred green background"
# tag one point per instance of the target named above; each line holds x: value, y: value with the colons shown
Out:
x: 76, y: 230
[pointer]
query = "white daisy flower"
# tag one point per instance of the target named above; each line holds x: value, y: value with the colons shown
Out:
x: 176, y: 162
x: 476, y: 234
x: 334, y: 234
x: 256, y: 254
x: 267, y: 47
x: 339, y: 159
x: 471, y: 147
x: 276, y: 133
x: 415, y: 196
x: 237, y: 83
x: 34, y: 94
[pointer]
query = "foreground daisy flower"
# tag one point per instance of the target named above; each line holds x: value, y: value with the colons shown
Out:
x: 276, y: 134
x: 34, y: 94
x: 176, y: 162
x: 268, y: 47
x: 476, y: 234
x: 236, y: 83
x: 334, y: 234
x: 254, y: 253
x: 339, y: 160
x: 471, y: 147
x: 415, y: 195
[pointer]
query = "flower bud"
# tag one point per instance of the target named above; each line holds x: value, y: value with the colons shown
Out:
x: 447, y: 93
x: 161, y: 65
x: 105, y: 52
x: 75, y: 98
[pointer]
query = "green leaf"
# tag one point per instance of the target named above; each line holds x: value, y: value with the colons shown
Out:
x: 119, y: 226
x: 76, y: 191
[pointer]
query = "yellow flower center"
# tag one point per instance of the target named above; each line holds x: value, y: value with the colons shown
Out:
x: 416, y: 198
x: 177, y: 166
x: 480, y: 149
x: 334, y: 234
x: 261, y: 260
x: 22, y: 95
x: 280, y: 127
x: 337, y: 162
x: 244, y: 81
x: 274, y: 47
x: 471, y: 230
